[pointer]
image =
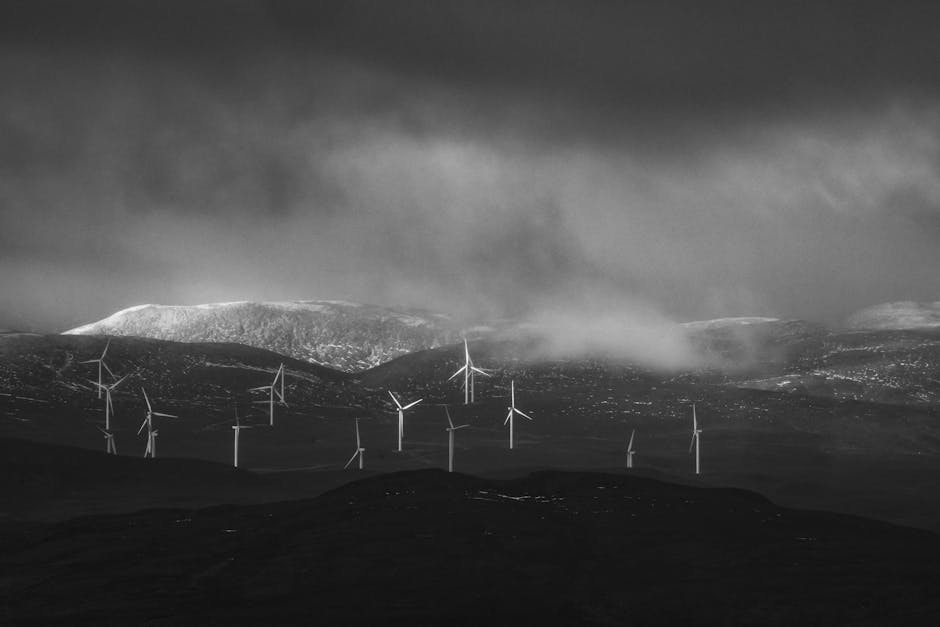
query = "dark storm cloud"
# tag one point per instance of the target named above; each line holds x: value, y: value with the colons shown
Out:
x: 647, y: 160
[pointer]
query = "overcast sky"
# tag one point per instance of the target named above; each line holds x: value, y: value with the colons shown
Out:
x: 694, y: 160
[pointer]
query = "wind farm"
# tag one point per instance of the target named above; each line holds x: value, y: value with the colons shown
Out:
x: 524, y: 255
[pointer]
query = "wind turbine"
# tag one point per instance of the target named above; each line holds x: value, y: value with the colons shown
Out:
x: 401, y: 416
x: 696, y: 440
x: 101, y: 364
x: 237, y: 427
x: 630, y: 450
x: 512, y: 411
x: 272, y: 391
x: 469, y: 372
x: 360, y: 452
x: 112, y: 449
x: 108, y: 405
x: 279, y: 377
x: 450, y: 440
x: 152, y: 433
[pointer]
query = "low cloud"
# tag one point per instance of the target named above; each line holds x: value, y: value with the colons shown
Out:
x: 366, y: 168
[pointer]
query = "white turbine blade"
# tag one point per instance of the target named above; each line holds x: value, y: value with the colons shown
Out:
x: 395, y: 399
x: 96, y: 384
x: 156, y: 413
x: 630, y: 445
x: 142, y: 425
x: 356, y: 454
x: 449, y: 421
x: 462, y: 368
x: 105, y: 351
x: 512, y: 388
x: 260, y: 388
x: 108, y: 401
x: 508, y: 416
x: 106, y: 368
x: 523, y: 414
x: 103, y: 431
x: 119, y: 381
x: 460, y: 427
x: 466, y: 350
x: 480, y: 371
x: 692, y: 443
x: 149, y: 408
x: 358, y: 442
x: 694, y: 419
x: 90, y: 361
x: 412, y: 404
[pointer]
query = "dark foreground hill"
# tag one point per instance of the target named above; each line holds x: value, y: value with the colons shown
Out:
x: 425, y: 547
x: 49, y: 482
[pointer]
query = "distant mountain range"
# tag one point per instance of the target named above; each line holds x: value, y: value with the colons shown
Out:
x: 889, y: 353
x: 339, y: 334
x: 899, y: 315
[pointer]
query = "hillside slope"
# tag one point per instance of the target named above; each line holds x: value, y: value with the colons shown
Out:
x: 426, y: 547
x: 346, y: 336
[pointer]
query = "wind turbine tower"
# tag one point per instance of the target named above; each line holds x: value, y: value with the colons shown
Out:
x: 401, y: 416
x: 101, y: 365
x: 450, y: 439
x: 275, y: 389
x: 152, y: 433
x: 237, y: 427
x: 469, y: 373
x: 108, y: 405
x: 630, y: 450
x: 111, y: 448
x: 696, y: 441
x: 512, y: 412
x: 360, y: 452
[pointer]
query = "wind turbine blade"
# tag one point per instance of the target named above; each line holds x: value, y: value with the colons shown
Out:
x: 351, y: 459
x: 119, y: 381
x: 358, y: 442
x: 512, y: 388
x: 109, y: 402
x: 96, y: 384
x: 394, y: 399
x: 260, y: 388
x: 106, y: 368
x: 156, y: 413
x: 630, y: 445
x: 462, y: 368
x: 142, y: 425
x: 106, y: 347
x: 89, y: 361
x: 103, y: 431
x: 460, y: 427
x: 412, y: 404
x: 692, y: 443
x: 149, y: 408
x: 508, y: 416
x: 449, y: 421
x: 479, y: 371
x: 523, y: 414
x: 694, y: 419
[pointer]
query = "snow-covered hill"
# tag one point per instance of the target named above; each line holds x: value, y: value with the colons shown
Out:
x: 339, y: 334
x: 898, y: 315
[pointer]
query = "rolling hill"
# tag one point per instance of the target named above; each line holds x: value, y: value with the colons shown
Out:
x: 342, y: 335
x: 426, y: 547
